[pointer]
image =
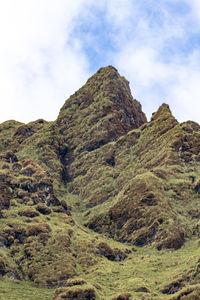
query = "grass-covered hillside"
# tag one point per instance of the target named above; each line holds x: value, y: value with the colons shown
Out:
x: 100, y: 203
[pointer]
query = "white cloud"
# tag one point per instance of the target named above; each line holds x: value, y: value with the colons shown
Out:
x: 155, y: 62
x: 185, y: 94
x: 154, y: 82
x: 195, y: 6
x: 43, y: 59
x: 41, y: 65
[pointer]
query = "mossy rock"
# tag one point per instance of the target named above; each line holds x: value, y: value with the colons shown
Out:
x: 188, y: 293
x: 36, y: 229
x: 29, y: 212
x: 75, y: 281
x: 43, y: 209
x: 84, y: 292
x: 112, y: 254
x: 131, y: 182
x: 122, y: 296
x: 138, y: 215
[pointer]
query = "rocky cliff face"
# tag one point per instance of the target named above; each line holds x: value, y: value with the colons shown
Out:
x: 95, y: 192
x: 99, y: 113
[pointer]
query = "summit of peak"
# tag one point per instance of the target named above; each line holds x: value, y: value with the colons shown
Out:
x: 107, y: 68
x: 106, y: 107
x: 163, y: 110
x: 105, y: 73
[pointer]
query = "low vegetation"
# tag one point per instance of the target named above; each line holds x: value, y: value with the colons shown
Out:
x: 100, y: 203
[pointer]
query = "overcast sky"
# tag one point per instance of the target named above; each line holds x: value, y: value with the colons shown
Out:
x: 49, y: 48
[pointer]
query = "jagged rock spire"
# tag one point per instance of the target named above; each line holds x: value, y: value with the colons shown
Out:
x: 102, y: 110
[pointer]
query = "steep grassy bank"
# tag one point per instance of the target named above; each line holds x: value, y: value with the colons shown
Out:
x: 100, y: 203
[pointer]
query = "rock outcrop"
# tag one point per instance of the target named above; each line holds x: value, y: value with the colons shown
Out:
x: 94, y: 192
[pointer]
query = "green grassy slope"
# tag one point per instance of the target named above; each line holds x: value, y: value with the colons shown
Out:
x: 100, y: 204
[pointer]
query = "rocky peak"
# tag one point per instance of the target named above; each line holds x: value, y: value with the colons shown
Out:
x: 162, y: 112
x: 141, y: 189
x: 163, y: 120
x: 101, y: 111
x: 108, y: 72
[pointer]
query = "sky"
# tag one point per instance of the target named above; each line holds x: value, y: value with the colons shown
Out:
x: 49, y: 48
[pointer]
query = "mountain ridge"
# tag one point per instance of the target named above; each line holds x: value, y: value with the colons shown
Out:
x: 97, y: 189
